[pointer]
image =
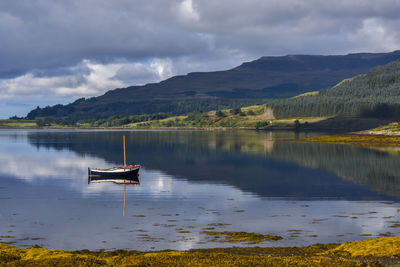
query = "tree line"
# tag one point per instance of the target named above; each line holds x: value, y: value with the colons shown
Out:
x: 375, y: 94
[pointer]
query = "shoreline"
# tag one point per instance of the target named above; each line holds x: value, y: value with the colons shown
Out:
x: 272, y: 129
x: 357, y: 139
x: 372, y: 252
x: 301, y: 124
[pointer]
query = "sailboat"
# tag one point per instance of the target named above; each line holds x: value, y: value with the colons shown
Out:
x: 115, y: 172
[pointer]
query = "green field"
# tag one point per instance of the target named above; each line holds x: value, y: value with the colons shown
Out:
x: 18, y: 124
x: 393, y: 127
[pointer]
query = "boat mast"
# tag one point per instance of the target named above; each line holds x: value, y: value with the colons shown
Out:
x: 123, y: 212
x: 124, y: 153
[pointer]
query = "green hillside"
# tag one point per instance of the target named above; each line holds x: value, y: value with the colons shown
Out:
x: 375, y: 94
x: 251, y: 83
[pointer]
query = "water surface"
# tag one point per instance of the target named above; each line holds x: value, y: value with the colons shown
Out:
x: 191, y: 181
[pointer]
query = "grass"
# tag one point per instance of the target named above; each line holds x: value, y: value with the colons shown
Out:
x: 346, y: 80
x: 358, y: 140
x: 290, y: 121
x: 18, y: 124
x: 307, y: 94
x: 392, y: 127
x: 247, y: 119
x: 252, y: 117
x: 29, y: 124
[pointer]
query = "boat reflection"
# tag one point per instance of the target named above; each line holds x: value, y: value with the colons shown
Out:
x: 127, y: 180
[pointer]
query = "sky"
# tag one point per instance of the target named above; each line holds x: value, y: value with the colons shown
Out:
x: 55, y: 51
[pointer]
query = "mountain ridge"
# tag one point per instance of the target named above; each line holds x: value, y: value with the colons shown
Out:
x: 253, y: 82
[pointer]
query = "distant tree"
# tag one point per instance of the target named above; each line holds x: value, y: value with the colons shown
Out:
x: 296, y: 124
x: 375, y: 94
x: 236, y: 111
x: 15, y: 117
x: 261, y: 124
x: 219, y: 113
x: 40, y: 122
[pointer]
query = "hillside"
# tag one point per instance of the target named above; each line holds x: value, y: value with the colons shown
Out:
x: 375, y: 94
x: 253, y: 82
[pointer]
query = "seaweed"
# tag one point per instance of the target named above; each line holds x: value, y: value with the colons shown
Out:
x: 236, y: 237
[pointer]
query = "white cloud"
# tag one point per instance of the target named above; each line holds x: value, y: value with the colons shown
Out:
x: 87, y: 79
x: 375, y: 35
x: 76, y: 84
x: 186, y: 12
x: 163, y: 68
x: 142, y: 73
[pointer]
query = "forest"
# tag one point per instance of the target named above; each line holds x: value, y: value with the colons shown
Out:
x: 375, y: 94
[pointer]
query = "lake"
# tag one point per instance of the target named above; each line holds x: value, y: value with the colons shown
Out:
x: 191, y: 182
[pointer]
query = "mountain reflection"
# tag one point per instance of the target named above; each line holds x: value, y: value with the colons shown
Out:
x: 256, y: 162
x: 378, y: 170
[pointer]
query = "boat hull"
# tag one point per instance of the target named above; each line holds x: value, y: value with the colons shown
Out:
x: 115, y: 172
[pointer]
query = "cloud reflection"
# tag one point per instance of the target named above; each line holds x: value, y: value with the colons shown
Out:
x: 70, y: 170
x: 54, y: 192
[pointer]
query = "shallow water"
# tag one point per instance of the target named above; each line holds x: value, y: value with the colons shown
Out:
x: 191, y: 181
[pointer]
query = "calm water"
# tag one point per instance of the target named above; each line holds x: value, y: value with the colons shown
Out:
x: 191, y: 181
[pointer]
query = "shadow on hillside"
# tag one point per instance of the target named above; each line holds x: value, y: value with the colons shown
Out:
x: 346, y: 124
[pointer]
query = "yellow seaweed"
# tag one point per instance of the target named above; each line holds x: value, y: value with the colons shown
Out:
x: 358, y: 140
x: 373, y: 252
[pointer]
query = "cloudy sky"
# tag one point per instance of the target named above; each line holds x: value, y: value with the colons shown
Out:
x: 54, y: 51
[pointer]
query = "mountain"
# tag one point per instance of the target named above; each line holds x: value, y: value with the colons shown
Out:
x: 375, y: 94
x: 250, y: 83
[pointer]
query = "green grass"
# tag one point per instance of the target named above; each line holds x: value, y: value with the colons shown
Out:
x: 392, y: 127
x: 18, y: 124
x: 249, y: 118
x: 246, y: 119
x: 307, y: 94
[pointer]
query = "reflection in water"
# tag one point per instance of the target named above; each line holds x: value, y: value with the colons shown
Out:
x: 256, y: 162
x: 126, y: 180
x: 378, y: 170
x: 191, y: 181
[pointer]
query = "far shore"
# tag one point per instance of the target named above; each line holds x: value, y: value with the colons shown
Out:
x: 309, y: 129
x: 339, y: 130
x: 293, y: 129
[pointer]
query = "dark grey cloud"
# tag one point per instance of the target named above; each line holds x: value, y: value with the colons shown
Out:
x: 55, y: 48
x: 44, y: 34
x: 48, y: 34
